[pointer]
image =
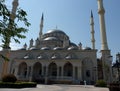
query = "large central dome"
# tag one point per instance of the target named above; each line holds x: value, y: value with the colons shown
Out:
x: 54, y: 38
x: 56, y: 31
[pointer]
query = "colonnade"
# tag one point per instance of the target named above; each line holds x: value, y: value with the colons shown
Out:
x: 52, y: 70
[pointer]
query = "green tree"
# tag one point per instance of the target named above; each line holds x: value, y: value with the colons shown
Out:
x: 9, y: 29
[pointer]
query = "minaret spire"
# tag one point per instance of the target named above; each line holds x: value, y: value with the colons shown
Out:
x: 41, y: 27
x: 101, y: 12
x: 91, y: 14
x: 92, y: 30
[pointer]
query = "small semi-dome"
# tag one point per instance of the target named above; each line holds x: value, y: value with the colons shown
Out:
x: 56, y: 31
x: 33, y: 48
x: 45, y: 48
x: 68, y: 57
x: 26, y: 57
x: 40, y: 57
x: 58, y: 48
x: 50, y: 38
x: 22, y: 49
x: 72, y: 48
x: 73, y: 44
x: 87, y: 48
x: 54, y: 57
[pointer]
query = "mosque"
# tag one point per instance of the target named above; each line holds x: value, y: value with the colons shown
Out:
x: 54, y: 58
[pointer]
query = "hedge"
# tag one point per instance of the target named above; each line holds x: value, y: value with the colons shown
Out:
x: 17, y: 85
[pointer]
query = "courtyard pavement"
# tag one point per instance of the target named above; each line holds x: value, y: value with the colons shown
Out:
x: 59, y: 87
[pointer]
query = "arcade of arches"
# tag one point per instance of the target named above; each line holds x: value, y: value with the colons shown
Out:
x: 56, y: 71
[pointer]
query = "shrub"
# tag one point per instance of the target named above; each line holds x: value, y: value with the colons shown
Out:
x: 101, y: 83
x: 9, y: 78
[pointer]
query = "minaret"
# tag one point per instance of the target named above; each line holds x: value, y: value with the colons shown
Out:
x: 80, y: 46
x: 14, y: 8
x: 31, y: 43
x: 105, y: 52
x: 92, y: 31
x: 101, y: 12
x: 41, y: 27
x: 25, y: 46
x: 11, y: 21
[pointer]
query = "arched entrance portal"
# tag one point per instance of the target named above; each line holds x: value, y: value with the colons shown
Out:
x: 68, y: 70
x: 37, y: 71
x: 22, y: 70
x: 52, y: 70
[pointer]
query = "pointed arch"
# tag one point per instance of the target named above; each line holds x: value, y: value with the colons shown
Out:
x: 52, y: 69
x: 68, y: 69
x: 22, y: 69
x: 37, y: 69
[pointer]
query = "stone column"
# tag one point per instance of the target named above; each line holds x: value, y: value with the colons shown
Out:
x: 96, y: 73
x: 73, y: 72
x: 31, y: 74
x: 58, y: 72
x: 43, y: 70
x: 16, y: 71
x: 62, y: 72
x: 80, y: 72
x: 46, y: 75
x: 27, y: 72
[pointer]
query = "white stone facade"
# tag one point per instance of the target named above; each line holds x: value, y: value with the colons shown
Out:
x: 54, y: 58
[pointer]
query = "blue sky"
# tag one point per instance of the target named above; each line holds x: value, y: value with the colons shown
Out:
x: 73, y: 17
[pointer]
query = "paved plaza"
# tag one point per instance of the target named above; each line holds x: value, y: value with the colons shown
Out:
x: 59, y: 88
